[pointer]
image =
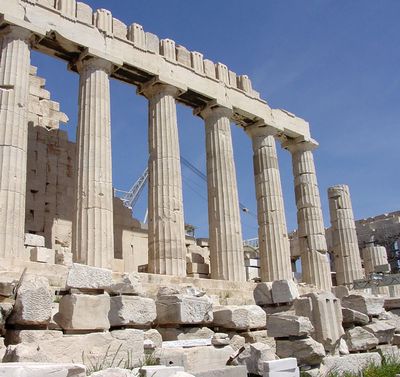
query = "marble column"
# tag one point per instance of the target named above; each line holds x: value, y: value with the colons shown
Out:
x: 93, y: 230
x: 274, y: 246
x: 14, y: 94
x: 167, y: 250
x: 344, y: 236
x: 225, y: 234
x: 311, y: 232
x: 374, y: 256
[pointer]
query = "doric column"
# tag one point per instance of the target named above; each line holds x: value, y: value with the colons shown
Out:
x: 311, y: 232
x: 344, y: 236
x: 374, y: 256
x: 167, y: 251
x: 93, y: 231
x: 14, y: 93
x: 225, y: 234
x: 274, y: 246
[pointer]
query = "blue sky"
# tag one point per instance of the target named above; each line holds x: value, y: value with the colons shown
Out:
x: 334, y: 63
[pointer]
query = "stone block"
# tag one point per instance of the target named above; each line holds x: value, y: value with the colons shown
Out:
x: 160, y: 370
x: 7, y: 285
x: 209, y: 70
x: 186, y: 333
x: 183, y: 56
x: 197, y: 359
x: 279, y: 365
x: 353, y: 363
x: 198, y: 66
x: 359, y: 339
x: 132, y: 311
x: 137, y: 36
x: 64, y: 258
x: 382, y: 330
x: 103, y: 20
x: 198, y: 268
x: 115, y: 372
x: 183, y: 309
x: 42, y: 370
x: 87, y: 277
x: 152, y: 43
x: 84, y: 312
x: 168, y: 49
x: 306, y: 351
x: 75, y: 347
x: 34, y: 240
x: 285, y: 325
x: 84, y: 13
x: 259, y: 336
x: 396, y: 340
x: 340, y: 291
x: 353, y: 317
x: 367, y: 304
x: 127, y: 284
x: 33, y: 303
x: 42, y: 255
x: 120, y: 30
x: 228, y: 371
x: 31, y: 336
x: 284, y: 291
x: 392, y: 303
x: 154, y: 336
x: 263, y: 294
x: 254, y: 357
x: 220, y: 340
x: 240, y: 317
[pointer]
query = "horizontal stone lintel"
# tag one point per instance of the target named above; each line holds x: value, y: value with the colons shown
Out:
x: 68, y: 38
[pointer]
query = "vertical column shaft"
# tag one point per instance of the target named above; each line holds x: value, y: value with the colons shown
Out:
x: 274, y: 246
x: 374, y: 256
x: 93, y: 232
x: 225, y: 234
x: 311, y: 231
x: 167, y: 251
x: 14, y: 94
x: 344, y: 236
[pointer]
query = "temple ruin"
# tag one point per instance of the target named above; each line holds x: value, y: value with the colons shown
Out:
x: 80, y: 275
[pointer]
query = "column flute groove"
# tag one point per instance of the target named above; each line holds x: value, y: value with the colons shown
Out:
x: 14, y: 94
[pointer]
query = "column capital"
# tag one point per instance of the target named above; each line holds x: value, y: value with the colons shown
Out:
x: 300, y: 144
x: 86, y: 61
x: 16, y: 32
x: 261, y: 129
x: 213, y: 109
x: 157, y: 85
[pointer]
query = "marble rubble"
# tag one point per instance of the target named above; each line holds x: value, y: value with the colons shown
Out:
x: 84, y: 283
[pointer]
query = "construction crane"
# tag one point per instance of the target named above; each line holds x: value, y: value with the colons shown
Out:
x: 129, y: 198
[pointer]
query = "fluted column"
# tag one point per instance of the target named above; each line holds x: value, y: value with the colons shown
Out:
x: 274, y: 246
x: 225, y: 234
x: 374, y: 256
x: 344, y: 236
x: 167, y: 251
x: 311, y: 232
x: 14, y: 93
x: 93, y: 231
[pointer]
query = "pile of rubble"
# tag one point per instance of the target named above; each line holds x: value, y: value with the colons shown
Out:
x: 105, y: 320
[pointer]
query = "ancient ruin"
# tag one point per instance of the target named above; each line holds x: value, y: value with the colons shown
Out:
x: 85, y: 289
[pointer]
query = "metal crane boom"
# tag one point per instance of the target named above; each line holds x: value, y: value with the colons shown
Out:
x: 131, y: 197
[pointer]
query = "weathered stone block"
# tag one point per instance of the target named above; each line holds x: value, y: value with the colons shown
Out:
x: 42, y: 255
x: 186, y: 333
x: 42, y: 370
x: 87, y: 277
x: 350, y: 363
x: 184, y: 309
x: 33, y: 303
x: 160, y: 370
x: 34, y: 240
x: 392, y: 303
x: 64, y: 258
x: 84, y: 312
x: 132, y: 311
x: 383, y: 331
x: 353, y: 317
x: 306, y: 351
x: 263, y: 294
x: 285, y: 325
x: 240, y: 317
x: 359, y: 339
x: 284, y: 291
x: 367, y: 304
x: 127, y: 284
x: 230, y: 371
x: 31, y: 336
x: 154, y: 336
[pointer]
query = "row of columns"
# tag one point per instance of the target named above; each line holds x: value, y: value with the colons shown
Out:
x: 93, y: 225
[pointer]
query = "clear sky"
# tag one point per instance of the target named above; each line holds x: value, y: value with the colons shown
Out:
x: 335, y: 63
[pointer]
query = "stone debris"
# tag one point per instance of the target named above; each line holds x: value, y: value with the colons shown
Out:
x: 34, y: 240
x: 81, y: 312
x: 284, y: 367
x: 285, y: 325
x: 88, y: 277
x: 263, y: 294
x: 382, y: 330
x: 42, y: 370
x: 113, y: 372
x: 366, y: 304
x: 307, y: 351
x: 33, y: 303
x: 353, y: 363
x: 353, y: 317
x: 43, y: 255
x: 239, y: 317
x: 132, y: 311
x: 228, y: 371
x: 359, y: 339
x: 284, y: 291
x: 220, y: 340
